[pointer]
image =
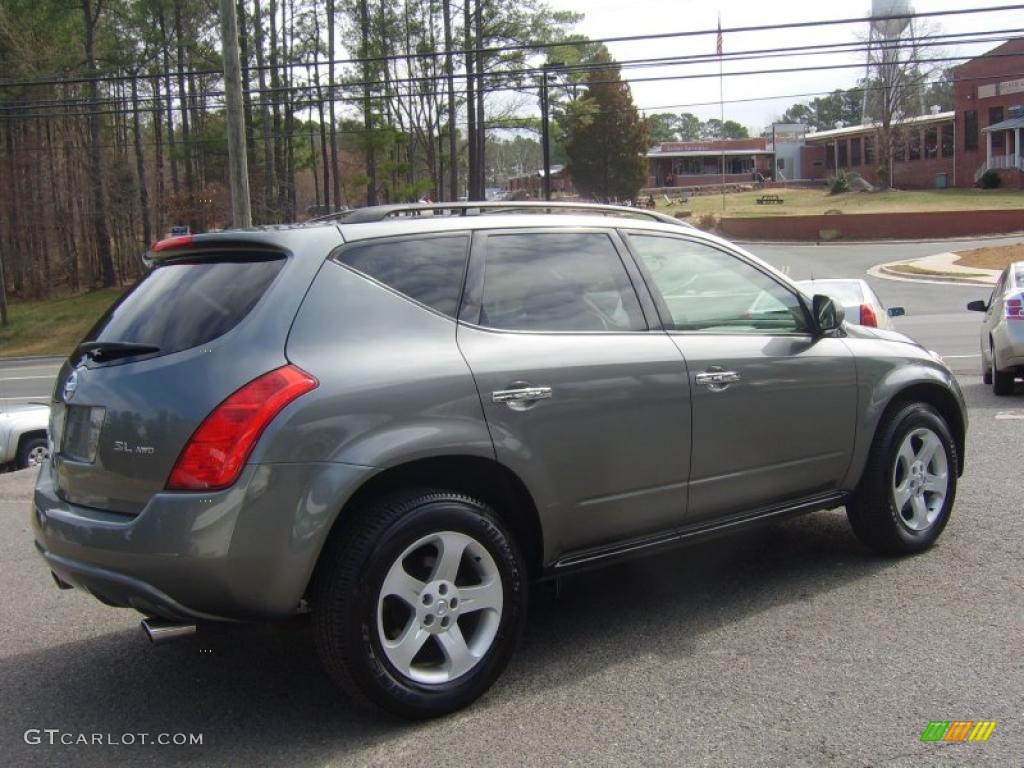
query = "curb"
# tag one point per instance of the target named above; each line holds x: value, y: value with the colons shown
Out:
x: 885, y: 271
x: 33, y: 359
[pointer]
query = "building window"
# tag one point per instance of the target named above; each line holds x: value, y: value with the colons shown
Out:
x: 947, y: 140
x: 842, y: 155
x: 931, y: 143
x: 995, y: 115
x: 971, y: 130
x: 782, y: 163
x: 914, y: 146
x: 855, y: 152
x: 869, y: 150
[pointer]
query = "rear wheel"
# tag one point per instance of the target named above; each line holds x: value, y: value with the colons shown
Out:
x: 909, y: 484
x: 419, y: 604
x: 1002, y: 381
x: 33, y: 452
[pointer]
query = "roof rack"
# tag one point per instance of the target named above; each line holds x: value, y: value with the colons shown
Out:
x: 376, y: 213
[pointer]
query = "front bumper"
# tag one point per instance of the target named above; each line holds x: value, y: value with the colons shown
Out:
x: 244, y: 553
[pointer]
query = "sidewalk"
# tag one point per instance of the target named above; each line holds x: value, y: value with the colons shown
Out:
x: 940, y: 267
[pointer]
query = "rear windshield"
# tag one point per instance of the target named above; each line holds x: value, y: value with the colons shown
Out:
x: 846, y: 294
x: 182, y: 304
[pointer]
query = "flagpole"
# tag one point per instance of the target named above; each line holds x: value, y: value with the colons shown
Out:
x: 721, y: 105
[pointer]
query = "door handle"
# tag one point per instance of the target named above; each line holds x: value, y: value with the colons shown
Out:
x: 717, y: 380
x: 521, y: 398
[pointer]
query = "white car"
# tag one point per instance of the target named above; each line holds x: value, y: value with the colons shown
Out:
x: 861, y: 304
x: 1002, y: 330
x: 23, y: 436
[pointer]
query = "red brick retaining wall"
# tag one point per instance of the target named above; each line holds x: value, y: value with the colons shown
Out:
x: 875, y: 226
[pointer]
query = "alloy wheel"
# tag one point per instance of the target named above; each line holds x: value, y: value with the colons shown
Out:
x: 920, y: 478
x: 439, y: 608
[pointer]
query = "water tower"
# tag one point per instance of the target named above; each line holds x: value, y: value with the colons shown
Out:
x: 884, y: 36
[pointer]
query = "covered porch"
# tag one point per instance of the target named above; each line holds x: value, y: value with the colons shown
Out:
x: 1002, y: 147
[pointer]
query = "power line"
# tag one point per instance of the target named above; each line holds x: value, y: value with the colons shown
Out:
x: 536, y: 46
x: 626, y: 64
x: 12, y: 111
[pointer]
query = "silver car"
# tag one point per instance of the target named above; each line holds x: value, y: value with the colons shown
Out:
x: 1002, y: 330
x: 399, y: 418
x: 23, y: 438
x: 860, y: 303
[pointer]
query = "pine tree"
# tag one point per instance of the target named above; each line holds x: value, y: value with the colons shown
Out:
x: 607, y: 137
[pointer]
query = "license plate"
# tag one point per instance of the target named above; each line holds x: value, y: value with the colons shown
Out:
x: 82, y: 427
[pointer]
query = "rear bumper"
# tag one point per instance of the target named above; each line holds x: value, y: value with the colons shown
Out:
x: 244, y: 553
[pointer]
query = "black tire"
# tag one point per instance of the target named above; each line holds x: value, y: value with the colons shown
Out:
x: 873, y: 511
x: 349, y: 581
x: 986, y: 371
x: 1001, y: 381
x: 26, y: 449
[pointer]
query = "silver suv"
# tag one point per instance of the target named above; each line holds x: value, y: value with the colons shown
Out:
x: 401, y: 418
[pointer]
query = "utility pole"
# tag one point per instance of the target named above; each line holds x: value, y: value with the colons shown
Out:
x: 544, y: 137
x: 238, y: 166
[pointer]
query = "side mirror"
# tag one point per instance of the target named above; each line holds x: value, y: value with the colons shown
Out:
x: 895, y: 311
x: 978, y: 306
x: 827, y: 315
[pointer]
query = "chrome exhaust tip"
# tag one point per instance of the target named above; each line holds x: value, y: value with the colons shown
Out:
x: 163, y: 631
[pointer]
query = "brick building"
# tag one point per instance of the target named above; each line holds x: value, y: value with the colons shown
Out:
x: 989, y: 96
x: 924, y: 151
x: 699, y: 163
x: 982, y: 132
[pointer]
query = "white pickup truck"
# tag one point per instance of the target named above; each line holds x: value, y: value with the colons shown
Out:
x: 23, y: 437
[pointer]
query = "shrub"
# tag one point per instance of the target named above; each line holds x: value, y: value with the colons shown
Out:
x: 882, y: 174
x: 990, y: 180
x: 839, y: 183
x: 707, y: 222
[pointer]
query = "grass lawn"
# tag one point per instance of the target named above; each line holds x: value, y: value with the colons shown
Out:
x: 52, y: 326
x: 994, y: 257
x: 815, y: 201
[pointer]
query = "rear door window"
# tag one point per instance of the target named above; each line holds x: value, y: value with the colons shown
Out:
x: 429, y: 270
x: 547, y: 281
x: 183, y: 304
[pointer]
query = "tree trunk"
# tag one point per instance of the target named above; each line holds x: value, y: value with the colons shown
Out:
x: 186, y: 140
x: 243, y: 44
x: 371, y: 155
x: 175, y: 179
x: 481, y: 146
x: 158, y: 160
x: 470, y: 104
x: 335, y: 168
x: 140, y: 165
x: 269, y: 170
x: 96, y: 166
x: 453, y: 147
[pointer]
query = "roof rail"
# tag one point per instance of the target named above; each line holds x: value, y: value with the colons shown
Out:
x: 376, y: 213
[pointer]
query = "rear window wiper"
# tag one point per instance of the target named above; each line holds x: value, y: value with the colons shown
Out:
x: 106, y: 350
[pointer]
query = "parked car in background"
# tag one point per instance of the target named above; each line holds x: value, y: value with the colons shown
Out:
x: 860, y: 303
x: 23, y: 437
x: 1002, y: 330
x: 400, y: 419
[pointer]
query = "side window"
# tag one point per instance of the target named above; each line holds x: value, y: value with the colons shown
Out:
x: 429, y: 270
x: 557, y: 281
x: 708, y: 290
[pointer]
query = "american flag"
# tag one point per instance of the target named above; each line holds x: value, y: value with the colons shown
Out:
x: 718, y: 42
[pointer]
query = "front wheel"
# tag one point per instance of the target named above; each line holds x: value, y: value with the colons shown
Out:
x: 909, y: 484
x: 33, y: 452
x: 419, y: 604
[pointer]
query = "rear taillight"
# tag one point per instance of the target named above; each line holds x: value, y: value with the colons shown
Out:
x: 867, y: 316
x: 217, y: 450
x: 1013, y: 309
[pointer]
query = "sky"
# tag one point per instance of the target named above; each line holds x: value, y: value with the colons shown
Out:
x: 616, y: 18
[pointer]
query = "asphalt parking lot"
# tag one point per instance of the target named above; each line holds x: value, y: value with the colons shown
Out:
x: 790, y: 646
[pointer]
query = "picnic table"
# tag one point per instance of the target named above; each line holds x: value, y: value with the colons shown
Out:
x: 770, y: 200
